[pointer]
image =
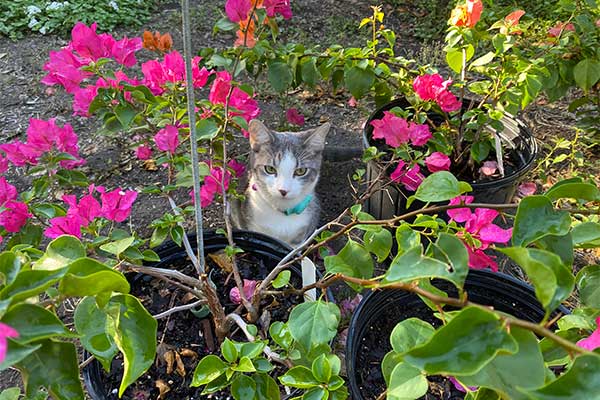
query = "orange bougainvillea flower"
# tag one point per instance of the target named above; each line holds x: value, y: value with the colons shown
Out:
x: 158, y: 42
x: 510, y: 21
x: 246, y: 38
x: 467, y: 14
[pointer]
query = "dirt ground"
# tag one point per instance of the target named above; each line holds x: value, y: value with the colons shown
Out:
x: 325, y: 22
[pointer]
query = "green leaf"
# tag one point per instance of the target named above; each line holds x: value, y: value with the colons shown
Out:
x: 314, y: 323
x: 536, y: 218
x: 483, y: 60
x: 562, y: 246
x: 30, y: 283
x: 506, y: 372
x: 353, y: 260
x: 10, y: 265
x: 125, y: 114
x: 34, y: 323
x: 280, y: 76
x: 388, y: 364
x: 581, y: 381
x: 53, y: 366
x: 12, y: 393
x: 91, y: 323
x: 118, y: 246
x: 454, y: 60
x: 588, y: 283
x: 451, y: 250
x: 16, y: 352
x: 321, y: 368
x: 573, y: 190
x: 282, y: 279
x: 299, y: 377
x: 586, y: 235
x: 251, y: 349
x: 413, y: 265
x: 243, y: 388
x: 407, y: 238
x: 310, y: 73
x: 208, y: 369
x: 410, y: 333
x: 245, y: 365
x: 440, y: 186
x: 406, y: 382
x: 206, y: 129
x: 60, y: 252
x: 229, y: 351
x: 378, y: 243
x: 280, y: 333
x: 134, y: 331
x: 88, y: 277
x: 266, y: 387
x: 476, y: 336
x: 552, y: 280
x: 359, y: 81
x: 587, y: 73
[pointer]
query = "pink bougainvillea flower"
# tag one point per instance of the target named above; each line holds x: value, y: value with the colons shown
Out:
x: 87, y: 209
x: 437, y: 162
x: 410, y: 178
x: 527, y: 189
x: 82, y: 100
x: 5, y: 332
x: 66, y: 225
x: 237, y: 10
x: 459, y: 386
x: 281, y: 7
x: 88, y: 44
x: 237, y: 167
x: 249, y: 287
x: 348, y: 305
x: 171, y: 69
x: 7, y: 191
x: 212, y: 185
x: 467, y: 14
x: 3, y: 164
x: 560, y: 27
x: 489, y: 168
x: 243, y: 104
x: 419, y: 134
x: 433, y: 87
x: 460, y: 214
x: 14, y: 216
x: 592, y: 342
x: 64, y: 69
x: 220, y: 88
x: 19, y: 153
x: 394, y: 130
x: 167, y: 139
x: 123, y: 51
x: 352, y: 102
x: 116, y: 205
x: 143, y: 152
x: 294, y: 117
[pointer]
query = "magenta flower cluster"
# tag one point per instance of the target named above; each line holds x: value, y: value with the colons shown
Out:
x: 479, y: 224
x: 212, y: 183
x: 433, y: 87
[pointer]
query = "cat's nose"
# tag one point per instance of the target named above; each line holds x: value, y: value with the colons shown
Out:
x: 283, y: 192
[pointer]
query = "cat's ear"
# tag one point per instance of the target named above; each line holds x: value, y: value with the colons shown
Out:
x: 259, y: 134
x: 316, y: 138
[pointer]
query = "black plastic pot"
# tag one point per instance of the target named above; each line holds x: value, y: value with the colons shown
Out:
x: 384, y: 309
x: 517, y: 138
x: 270, y: 250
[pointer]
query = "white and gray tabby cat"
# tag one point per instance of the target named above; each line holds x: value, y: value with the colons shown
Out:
x: 283, y: 171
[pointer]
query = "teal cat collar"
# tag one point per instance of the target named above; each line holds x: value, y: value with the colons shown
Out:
x: 300, y: 207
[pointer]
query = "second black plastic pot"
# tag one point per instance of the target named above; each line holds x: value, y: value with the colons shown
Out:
x: 391, y: 200
x: 269, y: 250
x: 388, y: 307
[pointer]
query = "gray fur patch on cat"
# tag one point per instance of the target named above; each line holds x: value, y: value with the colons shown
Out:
x: 284, y: 168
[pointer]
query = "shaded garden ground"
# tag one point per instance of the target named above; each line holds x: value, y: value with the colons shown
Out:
x: 111, y: 162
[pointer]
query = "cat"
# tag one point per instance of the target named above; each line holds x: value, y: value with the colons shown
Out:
x: 284, y: 168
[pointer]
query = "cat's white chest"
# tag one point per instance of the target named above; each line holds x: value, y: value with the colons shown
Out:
x: 288, y: 228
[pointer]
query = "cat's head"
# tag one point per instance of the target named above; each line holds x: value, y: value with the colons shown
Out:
x: 285, y: 166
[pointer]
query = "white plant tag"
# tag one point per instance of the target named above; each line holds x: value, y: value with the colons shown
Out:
x: 309, y: 277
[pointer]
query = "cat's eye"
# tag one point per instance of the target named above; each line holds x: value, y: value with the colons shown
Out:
x: 300, y: 171
x: 270, y: 170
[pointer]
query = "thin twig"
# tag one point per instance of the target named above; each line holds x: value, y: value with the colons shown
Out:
x: 186, y: 242
x: 179, y: 308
